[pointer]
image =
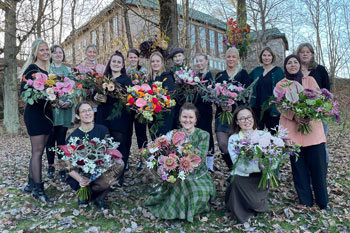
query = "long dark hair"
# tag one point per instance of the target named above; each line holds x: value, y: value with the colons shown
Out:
x: 234, y: 128
x: 108, y: 70
x: 134, y: 51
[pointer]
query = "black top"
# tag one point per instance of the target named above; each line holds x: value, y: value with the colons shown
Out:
x: 241, y: 77
x: 37, y: 117
x: 99, y: 131
x: 169, y: 82
x: 121, y: 123
x: 320, y: 74
x: 264, y: 88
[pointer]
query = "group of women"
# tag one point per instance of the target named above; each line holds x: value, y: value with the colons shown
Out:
x: 47, y: 126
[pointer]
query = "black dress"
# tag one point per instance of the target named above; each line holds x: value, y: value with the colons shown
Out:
x: 168, y: 117
x: 242, y: 78
x: 37, y: 117
x: 321, y: 76
x: 205, y: 110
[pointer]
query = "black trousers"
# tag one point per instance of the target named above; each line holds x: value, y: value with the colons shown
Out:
x: 205, y: 121
x: 141, y: 132
x: 267, y: 120
x: 311, y: 162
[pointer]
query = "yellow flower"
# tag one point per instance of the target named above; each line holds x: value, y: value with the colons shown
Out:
x: 52, y: 76
x: 171, y: 179
x: 50, y: 82
x: 248, y: 36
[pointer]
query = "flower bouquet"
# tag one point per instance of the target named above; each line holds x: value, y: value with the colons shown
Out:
x: 224, y: 94
x: 237, y: 37
x: 48, y: 87
x: 170, y: 157
x: 138, y: 77
x: 156, y: 43
x: 187, y: 84
x: 265, y: 149
x: 306, y: 103
x: 149, y: 102
x: 92, y: 157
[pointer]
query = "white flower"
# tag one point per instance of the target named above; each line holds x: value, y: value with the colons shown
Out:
x: 150, y: 164
x: 278, y: 141
x: 153, y: 150
x: 50, y: 91
x: 196, y: 79
x: 182, y: 175
x: 52, y: 97
x: 265, y: 140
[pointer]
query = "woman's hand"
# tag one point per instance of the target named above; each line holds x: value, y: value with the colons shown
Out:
x: 301, y: 121
x: 226, y: 108
x: 83, y: 181
x: 100, y: 98
x: 64, y: 104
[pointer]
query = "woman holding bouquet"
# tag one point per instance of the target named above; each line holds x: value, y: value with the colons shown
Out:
x: 204, y: 108
x: 157, y: 73
x: 62, y: 114
x: 268, y: 75
x: 101, y: 186
x: 137, y: 73
x: 37, y: 117
x: 118, y: 126
x: 184, y: 199
x: 312, y: 158
x: 90, y: 62
x: 244, y: 198
x: 236, y: 75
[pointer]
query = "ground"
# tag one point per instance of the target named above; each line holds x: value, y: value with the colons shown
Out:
x: 21, y: 213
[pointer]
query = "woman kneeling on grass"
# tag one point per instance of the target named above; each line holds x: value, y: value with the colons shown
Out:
x: 101, y: 186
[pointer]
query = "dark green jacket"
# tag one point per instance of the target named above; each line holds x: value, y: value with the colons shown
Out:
x: 277, y: 75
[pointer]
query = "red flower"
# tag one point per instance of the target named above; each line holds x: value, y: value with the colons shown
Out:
x: 93, y: 142
x: 81, y: 162
x: 67, y: 149
x: 155, y: 100
x: 151, y: 92
x: 80, y: 147
x: 114, y: 153
x: 131, y: 101
x: 158, y: 108
x: 154, y: 86
x: 168, y: 97
x: 98, y: 162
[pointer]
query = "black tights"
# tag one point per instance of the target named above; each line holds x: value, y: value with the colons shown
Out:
x: 222, y: 138
x: 38, y: 145
x: 58, y: 135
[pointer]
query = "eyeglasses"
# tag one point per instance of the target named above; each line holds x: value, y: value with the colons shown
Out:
x: 243, y: 119
x: 86, y: 110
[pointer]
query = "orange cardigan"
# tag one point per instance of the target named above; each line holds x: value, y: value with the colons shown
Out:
x: 316, y: 136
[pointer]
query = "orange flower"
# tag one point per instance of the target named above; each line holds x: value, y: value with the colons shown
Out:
x: 79, y: 85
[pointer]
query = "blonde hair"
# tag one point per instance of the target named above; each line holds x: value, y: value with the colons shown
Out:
x: 150, y: 71
x: 239, y: 66
x: 33, y: 56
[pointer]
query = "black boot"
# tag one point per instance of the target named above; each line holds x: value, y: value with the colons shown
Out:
x: 29, y: 186
x: 39, y: 193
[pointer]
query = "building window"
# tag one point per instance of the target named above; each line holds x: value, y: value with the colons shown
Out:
x: 93, y: 37
x: 115, y: 27
x: 202, y: 39
x: 220, y: 44
x: 192, y: 32
x: 212, y: 42
x: 179, y: 31
x: 100, y: 36
x: 211, y: 63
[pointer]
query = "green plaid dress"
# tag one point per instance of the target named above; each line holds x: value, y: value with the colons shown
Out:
x: 185, y: 199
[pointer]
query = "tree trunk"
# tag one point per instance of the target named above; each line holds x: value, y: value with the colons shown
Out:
x: 52, y: 23
x: 168, y: 21
x: 74, y: 2
x: 11, y: 120
x: 127, y: 24
x: 39, y: 20
x: 61, y: 22
x: 186, y: 23
x: 241, y: 12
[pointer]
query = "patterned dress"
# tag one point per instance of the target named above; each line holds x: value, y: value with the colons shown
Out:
x: 183, y: 200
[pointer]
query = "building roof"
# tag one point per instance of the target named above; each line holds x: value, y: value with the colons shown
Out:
x: 270, y: 34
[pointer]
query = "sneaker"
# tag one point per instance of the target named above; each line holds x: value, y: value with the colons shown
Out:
x: 51, y: 172
x: 63, y: 175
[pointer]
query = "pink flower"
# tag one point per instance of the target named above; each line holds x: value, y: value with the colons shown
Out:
x: 186, y: 165
x: 114, y: 153
x: 145, y: 87
x: 233, y: 94
x: 178, y: 138
x: 141, y: 102
x: 160, y: 170
x: 39, y: 82
x: 170, y: 163
x: 30, y: 82
x: 161, y: 159
x: 195, y: 159
x: 231, y: 101
x: 162, y: 142
x: 100, y: 68
x: 136, y: 87
x: 68, y: 85
x: 240, y: 89
x: 174, y: 156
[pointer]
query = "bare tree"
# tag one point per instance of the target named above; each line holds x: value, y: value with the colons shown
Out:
x: 168, y: 20
x: 241, y: 12
x: 74, y: 3
x: 127, y: 23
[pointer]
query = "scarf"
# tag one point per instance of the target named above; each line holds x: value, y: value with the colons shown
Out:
x: 297, y: 76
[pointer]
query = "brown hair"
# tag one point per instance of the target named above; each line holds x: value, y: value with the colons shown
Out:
x: 312, y: 64
x: 268, y: 49
x: 234, y: 128
x: 189, y: 106
x: 77, y: 121
x: 53, y: 49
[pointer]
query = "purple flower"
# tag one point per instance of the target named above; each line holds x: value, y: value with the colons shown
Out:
x: 270, y: 160
x: 319, y: 109
x: 326, y: 93
x: 310, y: 93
